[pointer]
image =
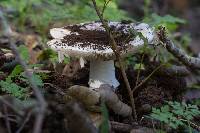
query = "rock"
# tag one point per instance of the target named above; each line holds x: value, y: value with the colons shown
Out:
x: 145, y: 108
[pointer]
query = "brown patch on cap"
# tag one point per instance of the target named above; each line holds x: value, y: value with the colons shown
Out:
x: 96, y: 39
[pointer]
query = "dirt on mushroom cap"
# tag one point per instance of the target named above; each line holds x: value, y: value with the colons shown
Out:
x: 90, y: 40
x: 96, y: 39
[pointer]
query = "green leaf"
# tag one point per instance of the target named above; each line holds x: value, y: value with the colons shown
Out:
x: 37, y: 80
x: 13, y: 89
x: 139, y: 66
x: 16, y: 71
x: 174, y: 112
x: 165, y: 108
x: 174, y: 126
x: 168, y: 21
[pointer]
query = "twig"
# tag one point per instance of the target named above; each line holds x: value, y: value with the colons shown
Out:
x: 24, y: 122
x: 143, y: 81
x: 191, y: 62
x: 56, y: 89
x: 192, y: 124
x: 116, y: 52
x: 145, y: 44
x: 6, y: 119
x: 173, y: 70
x: 20, y: 113
x: 121, y: 127
x: 104, y: 6
x: 138, y: 73
x: 41, y: 101
x: 10, y: 119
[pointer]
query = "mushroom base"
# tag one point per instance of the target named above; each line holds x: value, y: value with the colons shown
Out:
x: 102, y: 72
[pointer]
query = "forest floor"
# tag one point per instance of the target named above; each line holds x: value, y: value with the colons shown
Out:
x: 20, y: 107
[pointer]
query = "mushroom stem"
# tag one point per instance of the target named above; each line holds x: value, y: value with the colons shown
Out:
x: 102, y: 72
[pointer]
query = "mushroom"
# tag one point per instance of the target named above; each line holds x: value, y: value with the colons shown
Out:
x: 90, y: 42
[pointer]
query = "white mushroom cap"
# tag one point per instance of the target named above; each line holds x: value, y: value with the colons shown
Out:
x: 59, y: 33
x: 87, y: 39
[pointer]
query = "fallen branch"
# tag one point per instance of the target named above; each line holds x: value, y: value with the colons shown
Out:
x: 191, y: 62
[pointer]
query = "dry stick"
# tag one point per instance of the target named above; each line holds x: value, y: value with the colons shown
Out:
x: 24, y: 122
x: 19, y: 113
x: 187, y: 60
x: 41, y: 101
x: 121, y: 127
x: 116, y: 52
x: 6, y: 119
x: 192, y: 62
x: 192, y: 124
x: 10, y: 119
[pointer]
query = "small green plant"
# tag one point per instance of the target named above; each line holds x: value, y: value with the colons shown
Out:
x: 49, y: 54
x: 12, y: 88
x: 176, y: 114
x: 104, y: 128
x: 15, y: 89
x: 169, y: 21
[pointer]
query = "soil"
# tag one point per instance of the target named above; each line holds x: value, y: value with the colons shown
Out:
x: 152, y: 94
x: 2, y: 58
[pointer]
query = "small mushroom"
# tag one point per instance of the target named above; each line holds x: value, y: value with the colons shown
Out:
x: 90, y: 42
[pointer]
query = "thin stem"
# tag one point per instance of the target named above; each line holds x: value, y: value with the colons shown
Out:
x: 148, y: 77
x: 104, y: 7
x: 24, y: 122
x: 116, y: 52
x: 191, y: 123
x: 138, y: 74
